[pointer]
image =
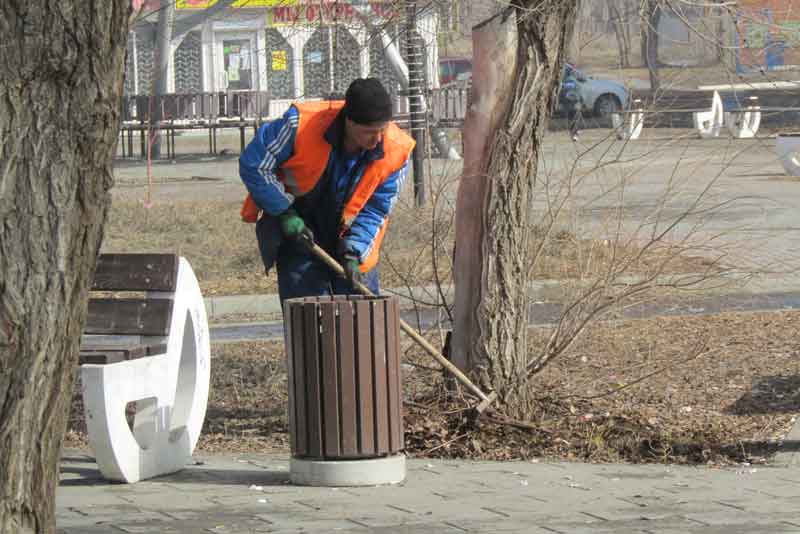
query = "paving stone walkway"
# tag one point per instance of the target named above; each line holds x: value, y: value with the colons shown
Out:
x: 244, y: 494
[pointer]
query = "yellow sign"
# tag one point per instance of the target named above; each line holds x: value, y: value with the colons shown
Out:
x: 203, y: 4
x: 279, y: 60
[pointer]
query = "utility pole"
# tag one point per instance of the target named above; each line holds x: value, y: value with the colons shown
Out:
x: 416, y: 104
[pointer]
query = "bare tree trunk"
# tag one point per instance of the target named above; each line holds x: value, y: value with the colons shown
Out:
x: 517, y: 62
x: 619, y: 32
x: 721, y: 40
x: 650, y: 17
x: 626, y: 33
x: 166, y: 17
x: 62, y: 64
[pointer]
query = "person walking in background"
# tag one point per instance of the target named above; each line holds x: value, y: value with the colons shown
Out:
x: 571, y: 101
x: 332, y: 170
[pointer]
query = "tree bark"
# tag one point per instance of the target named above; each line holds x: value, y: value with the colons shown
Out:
x: 650, y: 17
x: 619, y: 32
x: 163, y: 52
x: 517, y: 61
x: 62, y: 64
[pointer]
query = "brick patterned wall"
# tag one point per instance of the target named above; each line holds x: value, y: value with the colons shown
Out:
x: 189, y: 71
x: 189, y: 64
x: 279, y: 82
x: 316, y: 75
x: 347, y: 59
x: 127, y: 88
x: 144, y: 61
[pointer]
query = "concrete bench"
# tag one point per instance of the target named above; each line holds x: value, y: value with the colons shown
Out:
x: 151, y: 349
x: 742, y: 115
x: 705, y: 108
x: 628, y: 124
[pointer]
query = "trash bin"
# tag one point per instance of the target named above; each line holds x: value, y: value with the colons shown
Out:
x: 345, y: 401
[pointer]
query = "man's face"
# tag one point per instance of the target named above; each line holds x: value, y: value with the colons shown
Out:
x: 365, y: 136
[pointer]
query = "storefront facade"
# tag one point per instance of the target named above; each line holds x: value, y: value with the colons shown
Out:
x: 291, y: 51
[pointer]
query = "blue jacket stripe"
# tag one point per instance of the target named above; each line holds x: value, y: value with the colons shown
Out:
x: 258, y: 163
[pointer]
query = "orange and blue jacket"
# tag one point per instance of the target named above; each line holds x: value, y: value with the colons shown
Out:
x: 289, y: 156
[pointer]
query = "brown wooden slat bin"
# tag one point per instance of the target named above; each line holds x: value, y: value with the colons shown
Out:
x: 343, y: 358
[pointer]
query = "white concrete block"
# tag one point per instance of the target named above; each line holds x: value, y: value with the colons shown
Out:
x: 365, y: 472
x: 788, y: 147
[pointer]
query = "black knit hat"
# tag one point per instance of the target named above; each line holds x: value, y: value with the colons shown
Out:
x: 367, y: 102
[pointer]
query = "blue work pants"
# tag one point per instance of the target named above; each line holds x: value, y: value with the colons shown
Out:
x: 301, y: 274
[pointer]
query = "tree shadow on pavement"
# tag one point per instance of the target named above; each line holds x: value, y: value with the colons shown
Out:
x: 250, y: 475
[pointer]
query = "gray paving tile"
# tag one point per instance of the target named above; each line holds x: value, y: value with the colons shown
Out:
x: 232, y: 494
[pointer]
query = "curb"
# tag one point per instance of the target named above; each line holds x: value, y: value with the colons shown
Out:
x: 542, y: 290
x: 233, y: 304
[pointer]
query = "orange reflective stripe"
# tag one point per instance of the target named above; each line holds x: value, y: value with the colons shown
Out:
x: 374, y: 255
x: 301, y: 172
x: 311, y: 152
x: 397, y: 147
x: 249, y: 211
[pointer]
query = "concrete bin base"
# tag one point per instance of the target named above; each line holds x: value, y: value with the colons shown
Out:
x: 367, y: 472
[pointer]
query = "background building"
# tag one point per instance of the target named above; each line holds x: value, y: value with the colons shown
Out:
x: 767, y: 34
x: 291, y: 50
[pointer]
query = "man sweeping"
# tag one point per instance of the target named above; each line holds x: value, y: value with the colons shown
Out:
x: 329, y: 171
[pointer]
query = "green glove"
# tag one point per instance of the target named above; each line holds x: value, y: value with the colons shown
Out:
x: 352, y: 269
x: 292, y: 225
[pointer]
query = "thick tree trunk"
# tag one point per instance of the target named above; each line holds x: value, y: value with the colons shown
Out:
x: 62, y: 67
x: 517, y: 61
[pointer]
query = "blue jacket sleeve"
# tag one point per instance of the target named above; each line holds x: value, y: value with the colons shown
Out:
x: 360, y: 238
x: 272, y: 145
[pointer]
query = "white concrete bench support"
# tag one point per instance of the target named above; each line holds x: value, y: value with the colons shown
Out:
x: 744, y: 123
x: 170, y: 391
x: 628, y: 125
x: 709, y: 123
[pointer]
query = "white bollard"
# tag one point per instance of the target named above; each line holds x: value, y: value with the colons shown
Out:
x: 170, y: 391
x: 744, y: 124
x: 788, y: 148
x: 709, y: 123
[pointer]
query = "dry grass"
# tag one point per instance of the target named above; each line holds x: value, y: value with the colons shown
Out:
x: 223, y: 251
x: 733, y: 403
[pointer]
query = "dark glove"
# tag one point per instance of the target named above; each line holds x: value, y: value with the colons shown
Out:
x: 352, y: 268
x: 293, y: 226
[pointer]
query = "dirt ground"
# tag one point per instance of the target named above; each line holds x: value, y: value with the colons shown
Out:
x: 703, y: 389
x: 224, y: 255
x: 710, y: 389
x: 192, y: 208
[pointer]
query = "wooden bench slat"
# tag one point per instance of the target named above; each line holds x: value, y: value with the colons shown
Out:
x: 113, y: 354
x: 147, y: 317
x: 136, y: 272
x: 674, y: 100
